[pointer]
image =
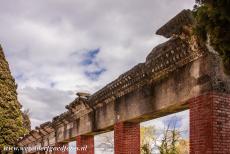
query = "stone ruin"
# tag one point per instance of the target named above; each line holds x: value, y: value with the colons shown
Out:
x: 179, y: 74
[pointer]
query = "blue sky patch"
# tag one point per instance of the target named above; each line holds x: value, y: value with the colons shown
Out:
x: 93, y: 75
x: 89, y: 56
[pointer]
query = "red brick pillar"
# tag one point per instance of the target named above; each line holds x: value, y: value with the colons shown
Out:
x: 62, y: 148
x: 85, y: 144
x: 210, y: 124
x: 127, y: 138
x: 42, y: 152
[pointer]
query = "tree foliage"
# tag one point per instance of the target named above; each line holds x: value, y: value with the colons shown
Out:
x: 213, y: 25
x: 171, y: 140
x: 11, y: 117
x: 164, y: 141
x: 148, y: 136
x: 183, y: 146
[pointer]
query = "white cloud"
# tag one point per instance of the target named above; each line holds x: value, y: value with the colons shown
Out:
x: 181, y: 120
x: 44, y: 103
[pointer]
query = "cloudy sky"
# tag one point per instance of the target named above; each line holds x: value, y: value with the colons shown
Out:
x: 59, y: 47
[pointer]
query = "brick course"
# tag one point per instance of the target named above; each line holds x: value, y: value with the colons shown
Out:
x: 127, y: 138
x: 83, y: 141
x: 210, y: 124
x: 59, y: 151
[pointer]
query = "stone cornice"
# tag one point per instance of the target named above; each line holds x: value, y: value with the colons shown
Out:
x: 175, y: 26
x: 163, y: 59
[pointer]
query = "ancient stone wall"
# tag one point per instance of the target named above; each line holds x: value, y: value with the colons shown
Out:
x: 174, y: 72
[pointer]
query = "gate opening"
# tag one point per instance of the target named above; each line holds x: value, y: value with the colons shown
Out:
x: 72, y: 147
x: 168, y: 134
x: 104, y: 143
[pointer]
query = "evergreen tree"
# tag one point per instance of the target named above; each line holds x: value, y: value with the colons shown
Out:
x: 213, y: 25
x: 11, y: 117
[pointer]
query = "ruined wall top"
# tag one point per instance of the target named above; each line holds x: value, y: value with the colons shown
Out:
x: 161, y: 60
x: 175, y: 25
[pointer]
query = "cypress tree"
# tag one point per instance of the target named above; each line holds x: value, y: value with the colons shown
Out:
x: 11, y: 117
x: 213, y: 24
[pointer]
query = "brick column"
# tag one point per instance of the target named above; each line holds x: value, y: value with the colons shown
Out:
x: 210, y: 124
x: 127, y: 138
x: 85, y: 144
x: 42, y: 152
x: 63, y: 148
